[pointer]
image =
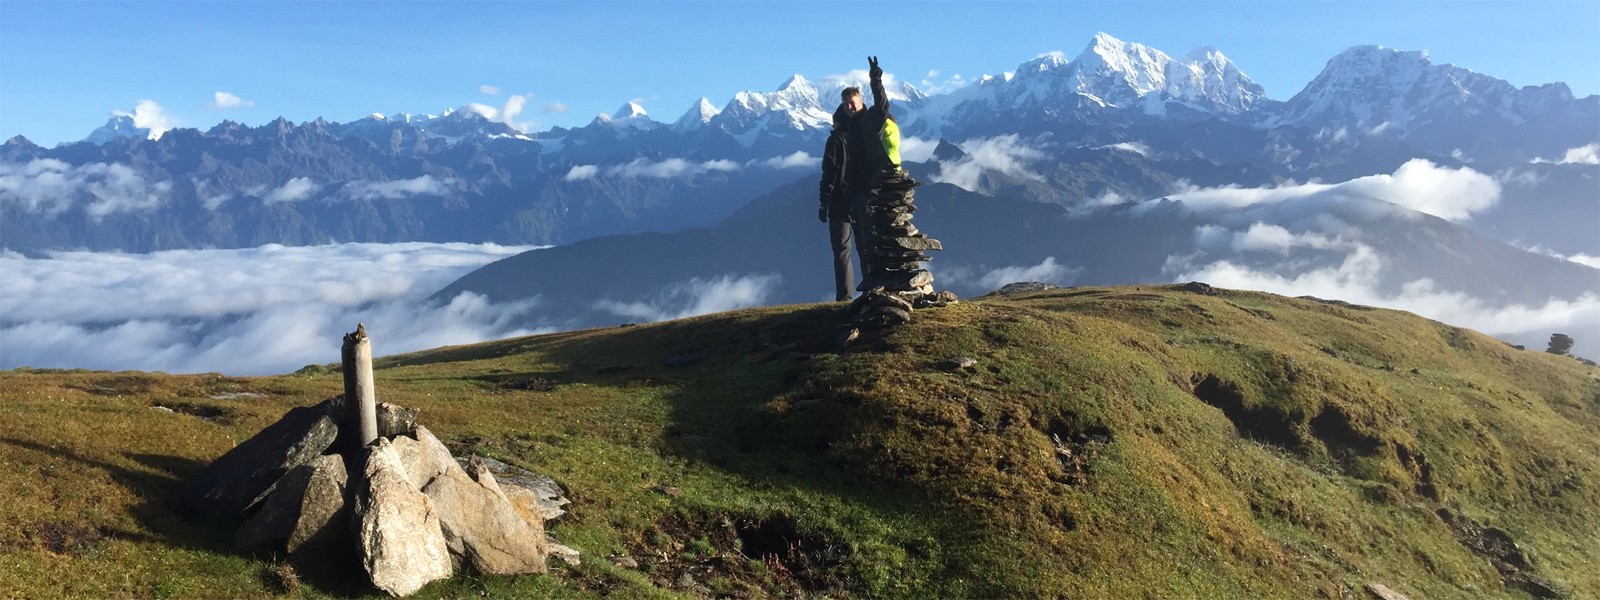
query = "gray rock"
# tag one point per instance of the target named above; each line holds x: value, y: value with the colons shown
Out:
x: 324, y: 507
x: 959, y: 363
x: 401, y: 542
x: 480, y: 526
x: 911, y: 243
x: 396, y: 420
x: 1382, y: 592
x: 565, y: 553
x: 424, y: 457
x: 1023, y: 287
x: 846, y: 337
x: 240, y: 477
x: 626, y: 562
x: 534, y: 496
x: 275, y: 520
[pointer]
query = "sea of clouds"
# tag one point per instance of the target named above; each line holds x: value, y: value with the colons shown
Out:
x: 274, y: 309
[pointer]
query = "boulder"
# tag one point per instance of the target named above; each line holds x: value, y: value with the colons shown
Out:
x: 480, y: 526
x: 534, y: 496
x: 396, y: 420
x: 401, y: 543
x: 239, y: 478
x: 424, y: 457
x: 324, y: 507
x: 275, y: 520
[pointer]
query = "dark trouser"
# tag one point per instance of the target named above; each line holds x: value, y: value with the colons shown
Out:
x: 840, y: 233
x: 863, y: 228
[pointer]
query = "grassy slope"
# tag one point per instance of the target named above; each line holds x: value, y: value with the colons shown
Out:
x: 1341, y: 431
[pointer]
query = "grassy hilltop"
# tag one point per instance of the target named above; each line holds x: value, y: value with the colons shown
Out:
x: 1107, y: 442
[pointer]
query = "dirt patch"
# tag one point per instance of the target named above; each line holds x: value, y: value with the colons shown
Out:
x: 1334, y: 428
x: 68, y: 539
x: 1076, y: 446
x: 1422, y: 472
x: 1503, y: 553
x: 1263, y: 425
x: 215, y: 414
x: 121, y: 384
x: 740, y: 556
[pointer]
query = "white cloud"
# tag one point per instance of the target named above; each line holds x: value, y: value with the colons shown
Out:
x: 932, y: 85
x: 1263, y: 237
x: 296, y: 189
x: 1357, y: 278
x: 227, y: 100
x: 1134, y: 147
x: 799, y: 160
x: 483, y: 110
x: 1006, y: 154
x: 489, y: 89
x: 696, y: 297
x: 669, y: 168
x: 556, y: 108
x: 1419, y: 185
x: 248, y: 311
x: 914, y: 149
x: 581, y: 172
x: 1580, y: 258
x: 149, y: 115
x: 51, y: 187
x: 425, y: 185
x: 1582, y: 155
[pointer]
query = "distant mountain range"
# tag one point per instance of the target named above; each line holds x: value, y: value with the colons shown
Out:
x: 1118, y: 121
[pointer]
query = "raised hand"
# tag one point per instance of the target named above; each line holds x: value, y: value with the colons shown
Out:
x: 874, y: 71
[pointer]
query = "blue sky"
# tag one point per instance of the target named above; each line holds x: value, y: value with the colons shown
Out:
x: 66, y: 66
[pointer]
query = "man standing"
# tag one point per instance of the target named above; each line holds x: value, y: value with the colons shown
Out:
x: 863, y: 145
x: 835, y: 195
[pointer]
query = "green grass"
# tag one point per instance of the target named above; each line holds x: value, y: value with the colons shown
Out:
x: 1238, y: 445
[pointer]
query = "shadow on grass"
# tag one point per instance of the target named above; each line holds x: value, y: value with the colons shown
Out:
x: 157, y: 487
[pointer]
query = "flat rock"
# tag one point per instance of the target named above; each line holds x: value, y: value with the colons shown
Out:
x: 959, y: 363
x: 401, y: 542
x: 917, y: 242
x: 564, y: 552
x: 1023, y: 287
x: 534, y: 496
x: 241, y: 476
x: 1382, y: 592
x: 480, y: 526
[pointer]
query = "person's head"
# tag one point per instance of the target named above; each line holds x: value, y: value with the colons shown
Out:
x: 852, y: 98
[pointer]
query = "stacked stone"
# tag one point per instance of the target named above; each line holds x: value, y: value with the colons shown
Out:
x: 411, y: 511
x: 894, y: 282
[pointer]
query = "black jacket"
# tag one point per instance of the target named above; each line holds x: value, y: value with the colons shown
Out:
x: 834, y: 193
x: 867, y: 155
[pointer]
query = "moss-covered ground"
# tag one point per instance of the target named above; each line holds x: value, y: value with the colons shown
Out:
x: 1108, y: 442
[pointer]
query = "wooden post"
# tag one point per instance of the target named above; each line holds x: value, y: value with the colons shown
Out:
x: 360, y: 398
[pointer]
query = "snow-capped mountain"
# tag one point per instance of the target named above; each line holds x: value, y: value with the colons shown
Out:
x: 118, y: 127
x: 793, y: 107
x: 1443, y: 108
x: 697, y: 117
x: 1109, y: 74
x: 1118, y: 120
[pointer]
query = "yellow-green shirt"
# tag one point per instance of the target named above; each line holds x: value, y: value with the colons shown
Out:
x: 891, y: 141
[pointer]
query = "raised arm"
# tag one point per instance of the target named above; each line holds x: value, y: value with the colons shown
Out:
x: 880, y: 97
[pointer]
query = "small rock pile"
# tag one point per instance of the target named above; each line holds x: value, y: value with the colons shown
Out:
x: 892, y: 254
x: 412, y: 511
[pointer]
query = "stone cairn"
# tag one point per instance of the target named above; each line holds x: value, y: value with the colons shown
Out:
x: 894, y: 282
x: 334, y: 478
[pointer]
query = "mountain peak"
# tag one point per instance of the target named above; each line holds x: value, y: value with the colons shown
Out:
x: 629, y: 111
x: 117, y: 127
x: 796, y: 82
x: 697, y: 116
